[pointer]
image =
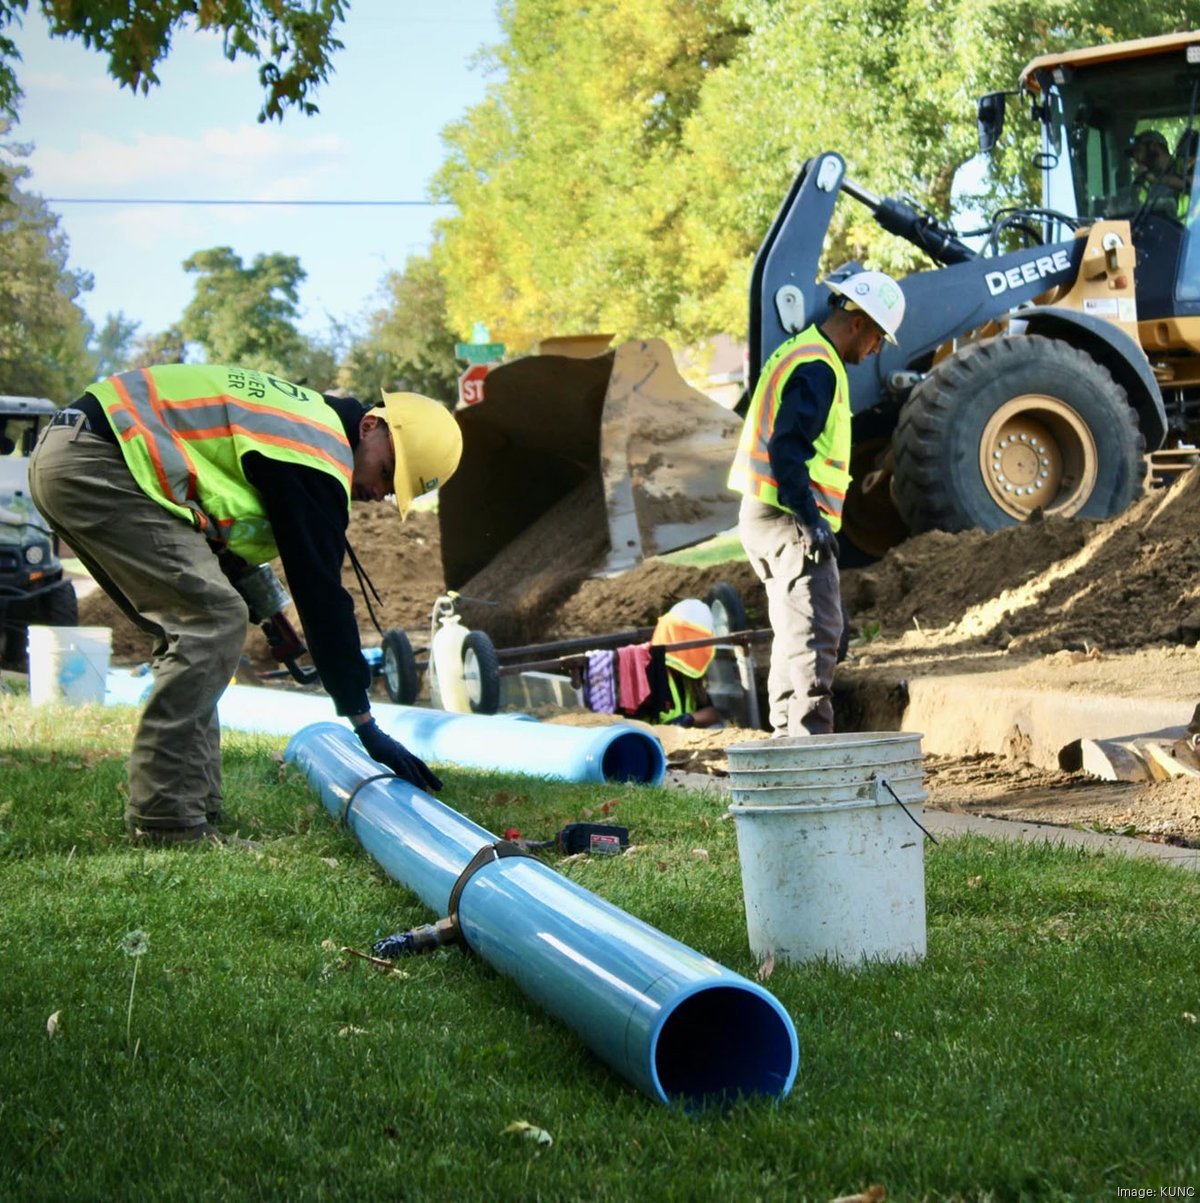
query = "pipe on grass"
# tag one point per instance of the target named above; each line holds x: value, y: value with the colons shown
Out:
x: 676, y: 1024
x: 499, y: 743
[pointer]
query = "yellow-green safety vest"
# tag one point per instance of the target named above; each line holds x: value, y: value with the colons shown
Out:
x: 183, y: 429
x: 829, y: 465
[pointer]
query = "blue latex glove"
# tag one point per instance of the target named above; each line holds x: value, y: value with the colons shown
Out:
x: 392, y: 753
x: 820, y: 540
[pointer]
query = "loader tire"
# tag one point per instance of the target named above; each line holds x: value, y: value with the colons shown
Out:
x: 1011, y: 426
x: 481, y: 673
x: 400, y: 676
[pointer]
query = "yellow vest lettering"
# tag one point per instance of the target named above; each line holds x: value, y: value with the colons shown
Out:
x: 184, y: 428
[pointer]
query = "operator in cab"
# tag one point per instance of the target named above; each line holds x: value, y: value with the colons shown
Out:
x: 169, y: 483
x: 792, y: 468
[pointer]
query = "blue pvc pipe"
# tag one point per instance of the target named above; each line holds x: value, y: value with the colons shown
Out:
x: 676, y: 1024
x: 512, y: 743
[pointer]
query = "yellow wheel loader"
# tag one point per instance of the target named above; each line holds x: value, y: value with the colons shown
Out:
x: 1033, y: 372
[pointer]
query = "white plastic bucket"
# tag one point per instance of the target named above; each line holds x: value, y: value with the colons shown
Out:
x: 832, y: 868
x: 68, y: 664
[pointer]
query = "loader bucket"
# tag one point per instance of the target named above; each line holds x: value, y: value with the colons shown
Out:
x: 623, y: 427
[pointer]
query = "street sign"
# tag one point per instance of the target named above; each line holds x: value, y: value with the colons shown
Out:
x: 470, y: 384
x: 479, y: 352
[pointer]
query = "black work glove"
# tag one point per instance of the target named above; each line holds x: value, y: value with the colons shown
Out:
x: 391, y: 752
x: 821, y: 542
x: 681, y: 720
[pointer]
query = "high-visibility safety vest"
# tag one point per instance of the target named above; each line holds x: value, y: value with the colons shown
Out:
x: 184, y: 428
x: 683, y: 700
x: 829, y: 465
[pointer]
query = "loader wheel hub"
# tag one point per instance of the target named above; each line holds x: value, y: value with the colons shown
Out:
x: 1036, y: 452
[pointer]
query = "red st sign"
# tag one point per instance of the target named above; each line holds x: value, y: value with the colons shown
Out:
x: 470, y: 384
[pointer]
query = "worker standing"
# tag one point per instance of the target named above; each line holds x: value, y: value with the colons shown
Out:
x: 168, y: 482
x: 793, y: 468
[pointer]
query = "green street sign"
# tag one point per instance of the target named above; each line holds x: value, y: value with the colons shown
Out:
x: 479, y: 352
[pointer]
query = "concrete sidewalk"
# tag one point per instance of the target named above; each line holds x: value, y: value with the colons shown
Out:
x: 941, y: 822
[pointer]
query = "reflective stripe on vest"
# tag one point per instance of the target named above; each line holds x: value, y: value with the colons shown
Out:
x: 829, y: 465
x: 183, y: 430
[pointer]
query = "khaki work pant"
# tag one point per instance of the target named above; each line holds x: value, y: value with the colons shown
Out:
x: 164, y: 577
x: 804, y: 606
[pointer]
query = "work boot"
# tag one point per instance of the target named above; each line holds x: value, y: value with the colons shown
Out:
x: 198, y: 834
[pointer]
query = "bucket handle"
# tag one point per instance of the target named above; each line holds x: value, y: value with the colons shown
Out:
x: 881, y: 780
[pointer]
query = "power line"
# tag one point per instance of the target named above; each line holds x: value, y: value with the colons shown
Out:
x: 153, y: 200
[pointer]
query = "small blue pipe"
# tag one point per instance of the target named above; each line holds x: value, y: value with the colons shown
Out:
x: 513, y: 743
x: 676, y: 1024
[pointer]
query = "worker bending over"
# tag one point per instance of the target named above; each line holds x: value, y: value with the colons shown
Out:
x: 167, y: 482
x: 793, y: 468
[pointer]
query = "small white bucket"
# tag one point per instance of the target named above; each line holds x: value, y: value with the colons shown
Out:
x: 68, y: 664
x: 832, y: 871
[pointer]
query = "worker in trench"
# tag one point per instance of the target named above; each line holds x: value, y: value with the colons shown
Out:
x: 170, y: 483
x: 792, y: 469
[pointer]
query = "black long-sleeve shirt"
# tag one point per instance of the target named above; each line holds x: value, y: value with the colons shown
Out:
x: 803, y: 411
x: 309, y: 516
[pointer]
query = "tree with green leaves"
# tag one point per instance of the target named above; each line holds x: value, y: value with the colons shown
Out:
x: 293, y: 41
x: 630, y: 158
x: 43, y: 331
x: 112, y: 345
x: 408, y: 344
x: 246, y: 314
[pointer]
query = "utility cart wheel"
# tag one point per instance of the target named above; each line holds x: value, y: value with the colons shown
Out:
x: 728, y: 613
x: 481, y: 673
x: 400, y: 676
x: 58, y: 606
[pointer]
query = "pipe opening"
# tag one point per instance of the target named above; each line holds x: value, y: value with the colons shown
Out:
x: 634, y: 756
x: 722, y: 1043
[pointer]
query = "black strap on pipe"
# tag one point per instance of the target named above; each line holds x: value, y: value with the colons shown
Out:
x: 345, y: 815
x: 485, y: 856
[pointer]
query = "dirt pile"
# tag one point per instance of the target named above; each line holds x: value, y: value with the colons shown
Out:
x: 1130, y: 582
x: 1037, y: 588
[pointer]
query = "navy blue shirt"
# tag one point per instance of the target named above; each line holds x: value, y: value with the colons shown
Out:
x: 803, y: 411
x: 308, y: 514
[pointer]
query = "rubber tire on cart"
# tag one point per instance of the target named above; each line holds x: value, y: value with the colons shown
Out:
x: 400, y: 676
x: 1013, y: 425
x: 729, y: 615
x: 481, y: 673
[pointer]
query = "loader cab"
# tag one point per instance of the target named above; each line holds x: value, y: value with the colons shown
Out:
x: 1120, y: 127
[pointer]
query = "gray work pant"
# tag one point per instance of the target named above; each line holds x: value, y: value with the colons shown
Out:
x: 164, y: 577
x: 805, y: 609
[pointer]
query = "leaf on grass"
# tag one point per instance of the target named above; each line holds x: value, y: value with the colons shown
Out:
x: 351, y: 1030
x: 331, y: 861
x: 330, y: 945
x: 700, y: 853
x: 52, y: 1024
x: 975, y: 882
x: 610, y: 806
x: 1188, y: 1017
x: 873, y: 1194
x: 663, y: 866
x: 529, y: 1131
x: 766, y: 968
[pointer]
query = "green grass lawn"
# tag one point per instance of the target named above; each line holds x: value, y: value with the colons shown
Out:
x: 1047, y: 1048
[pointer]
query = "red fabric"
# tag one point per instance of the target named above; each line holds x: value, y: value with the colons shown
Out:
x: 633, y: 685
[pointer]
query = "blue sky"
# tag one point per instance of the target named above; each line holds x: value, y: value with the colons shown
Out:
x: 406, y: 72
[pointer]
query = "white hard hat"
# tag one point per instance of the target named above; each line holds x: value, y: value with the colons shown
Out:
x: 877, y: 295
x: 693, y: 610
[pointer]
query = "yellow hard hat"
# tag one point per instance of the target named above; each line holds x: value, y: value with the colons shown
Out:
x: 427, y: 442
